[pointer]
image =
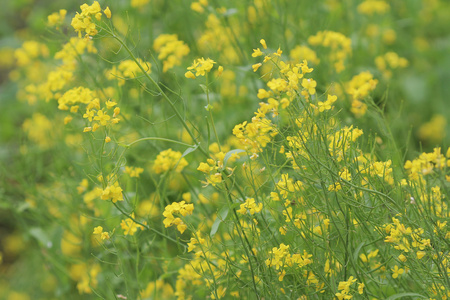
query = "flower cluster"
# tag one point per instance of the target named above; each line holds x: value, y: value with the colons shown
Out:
x: 291, y: 197
x: 128, y: 69
x: 300, y: 53
x: 371, y: 7
x: 196, y: 241
x: 426, y: 164
x: 170, y: 49
x: 218, y: 38
x: 29, y: 51
x: 359, y: 87
x: 86, y: 276
x: 98, y: 231
x: 112, y: 192
x: 285, y: 188
x: 168, y: 160
x: 201, y: 66
x: 199, y: 6
x: 341, y: 141
x: 433, y: 131
x: 40, y: 130
x: 325, y: 105
x: 82, y: 22
x: 250, y: 207
x: 94, y: 112
x: 388, y: 62
x: 71, y: 51
x: 344, y: 288
x: 280, y: 258
x: 338, y: 44
x: 255, y: 135
x: 57, y: 18
x: 129, y: 226
x: 133, y: 171
x: 182, y: 208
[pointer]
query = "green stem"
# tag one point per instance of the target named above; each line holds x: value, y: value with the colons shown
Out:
x: 161, y: 92
x: 209, y: 108
x: 146, y: 226
x: 158, y: 139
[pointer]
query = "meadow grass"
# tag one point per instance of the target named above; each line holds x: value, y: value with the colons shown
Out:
x: 225, y: 150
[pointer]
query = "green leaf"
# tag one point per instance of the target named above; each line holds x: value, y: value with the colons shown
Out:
x: 230, y: 12
x: 5, y: 205
x: 189, y: 150
x: 204, y: 88
x: 23, y: 206
x: 401, y: 295
x: 221, y: 216
x: 228, y: 155
x: 41, y: 236
x: 355, y: 254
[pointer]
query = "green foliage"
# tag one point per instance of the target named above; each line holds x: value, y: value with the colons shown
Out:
x: 224, y: 149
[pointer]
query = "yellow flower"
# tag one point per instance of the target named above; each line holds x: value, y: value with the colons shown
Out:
x: 168, y: 160
x: 257, y: 52
x: 110, y: 104
x: 201, y: 67
x: 133, y: 171
x: 105, y: 236
x: 177, y: 208
x: 396, y: 271
x: 370, y: 7
x: 107, y: 12
x: 310, y: 85
x: 116, y: 112
x: 263, y: 43
x: 67, y: 120
x: 129, y: 226
x: 171, y: 50
x: 190, y: 75
x: 250, y: 207
x: 204, y: 167
x: 98, y: 230
x: 420, y: 254
x: 255, y: 67
x: 278, y: 53
x: 402, y: 257
x: 57, y: 18
x: 361, y: 288
x: 102, y: 117
x: 139, y: 3
x: 113, y: 192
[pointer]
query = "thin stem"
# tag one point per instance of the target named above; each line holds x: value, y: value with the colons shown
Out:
x: 161, y: 92
x: 209, y: 108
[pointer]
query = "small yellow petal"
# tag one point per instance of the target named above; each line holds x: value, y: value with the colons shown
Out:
x: 263, y: 43
x: 189, y: 74
x: 255, y: 67
x: 107, y: 12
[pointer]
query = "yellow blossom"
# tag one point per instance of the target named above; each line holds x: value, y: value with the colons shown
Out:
x: 420, y: 254
x: 397, y: 272
x: 257, y: 52
x: 263, y: 43
x: 201, y: 66
x: 168, y: 160
x: 133, y: 171
x: 107, y: 12
x: 129, y: 226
